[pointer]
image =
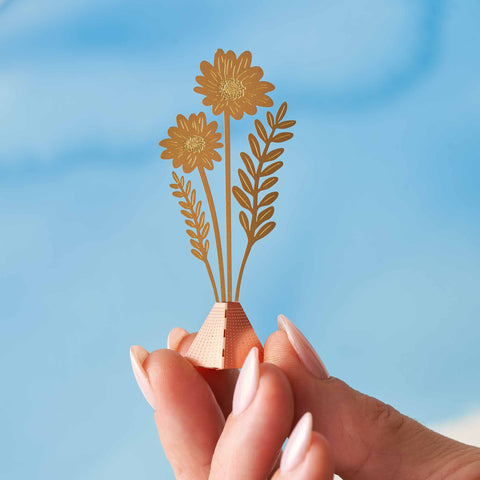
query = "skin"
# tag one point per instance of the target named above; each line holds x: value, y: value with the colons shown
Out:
x: 355, y: 435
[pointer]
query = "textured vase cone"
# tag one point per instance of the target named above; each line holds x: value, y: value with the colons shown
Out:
x: 225, y: 338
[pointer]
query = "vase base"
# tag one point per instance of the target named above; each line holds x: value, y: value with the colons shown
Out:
x: 225, y: 338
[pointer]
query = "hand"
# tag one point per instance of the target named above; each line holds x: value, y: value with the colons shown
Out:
x: 366, y: 438
x: 190, y: 410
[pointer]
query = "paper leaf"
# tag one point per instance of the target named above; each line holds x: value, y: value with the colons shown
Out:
x: 270, y: 119
x: 265, y: 230
x: 205, y: 230
x: 254, y: 146
x: 265, y: 215
x: 194, y: 219
x: 244, y: 221
x: 282, y: 137
x: 197, y: 254
x: 272, y: 168
x: 241, y: 198
x: 245, y: 181
x: 195, y: 244
x: 274, y: 154
x: 268, y: 199
x: 268, y: 183
x: 248, y: 163
x: 262, y: 133
x: 286, y: 124
x: 281, y: 112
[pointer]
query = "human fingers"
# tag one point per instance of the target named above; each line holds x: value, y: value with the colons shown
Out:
x: 369, y: 439
x: 175, y: 337
x: 306, y: 456
x: 188, y: 418
x: 222, y: 382
x: 261, y: 419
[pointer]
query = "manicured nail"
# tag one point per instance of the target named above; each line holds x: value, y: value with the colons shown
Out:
x: 137, y: 357
x: 247, y: 383
x: 303, y: 348
x: 175, y: 336
x: 298, y: 444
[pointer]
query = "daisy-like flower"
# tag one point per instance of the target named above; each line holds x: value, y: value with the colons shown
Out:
x: 193, y: 143
x: 232, y: 85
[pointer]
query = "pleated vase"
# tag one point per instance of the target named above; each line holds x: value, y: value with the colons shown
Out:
x: 225, y: 338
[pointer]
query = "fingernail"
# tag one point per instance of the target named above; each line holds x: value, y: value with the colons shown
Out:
x: 247, y: 383
x: 137, y: 357
x: 175, y: 336
x: 297, y: 444
x: 304, y: 349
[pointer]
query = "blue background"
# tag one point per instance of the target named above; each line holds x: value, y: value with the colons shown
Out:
x: 376, y: 255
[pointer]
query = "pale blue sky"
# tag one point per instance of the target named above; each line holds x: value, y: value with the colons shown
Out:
x: 376, y: 255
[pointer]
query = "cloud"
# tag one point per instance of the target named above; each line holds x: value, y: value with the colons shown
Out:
x: 77, y: 106
x: 465, y: 429
x: 111, y: 84
x: 21, y: 17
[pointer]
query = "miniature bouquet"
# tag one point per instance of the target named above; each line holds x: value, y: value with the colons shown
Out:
x: 232, y: 87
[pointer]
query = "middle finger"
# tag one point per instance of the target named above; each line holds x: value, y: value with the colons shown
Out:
x: 260, y: 421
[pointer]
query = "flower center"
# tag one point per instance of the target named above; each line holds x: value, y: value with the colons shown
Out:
x: 231, y: 89
x: 194, y: 144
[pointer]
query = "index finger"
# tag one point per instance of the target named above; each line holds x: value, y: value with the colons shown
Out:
x: 222, y: 382
x: 188, y: 418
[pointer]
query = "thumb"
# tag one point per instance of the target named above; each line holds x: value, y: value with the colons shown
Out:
x: 369, y: 438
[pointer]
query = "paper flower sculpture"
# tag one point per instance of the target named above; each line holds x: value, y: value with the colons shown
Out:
x: 192, y: 143
x: 231, y: 86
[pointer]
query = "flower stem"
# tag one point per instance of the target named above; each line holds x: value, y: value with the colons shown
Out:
x: 242, y: 267
x: 228, y: 198
x: 253, y: 225
x: 212, y: 280
x: 218, y: 241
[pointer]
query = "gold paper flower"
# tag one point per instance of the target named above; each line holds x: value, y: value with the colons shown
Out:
x: 192, y: 143
x: 232, y: 85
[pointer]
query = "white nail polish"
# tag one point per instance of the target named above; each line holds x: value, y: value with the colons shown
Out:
x: 137, y: 357
x: 298, y: 444
x: 247, y: 383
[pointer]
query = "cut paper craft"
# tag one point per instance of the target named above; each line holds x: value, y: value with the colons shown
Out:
x: 232, y: 87
x: 226, y: 321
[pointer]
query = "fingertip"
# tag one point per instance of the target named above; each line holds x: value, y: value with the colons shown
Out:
x: 138, y: 355
x: 277, y: 389
x: 185, y: 343
x: 259, y: 428
x: 175, y: 336
x: 321, y: 454
x: 164, y: 367
x: 298, y: 444
x: 317, y: 462
x: 279, y: 351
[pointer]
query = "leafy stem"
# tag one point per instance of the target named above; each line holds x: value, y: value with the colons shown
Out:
x: 195, y: 219
x: 260, y: 209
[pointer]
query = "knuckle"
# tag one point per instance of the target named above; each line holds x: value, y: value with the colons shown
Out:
x: 383, y: 416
